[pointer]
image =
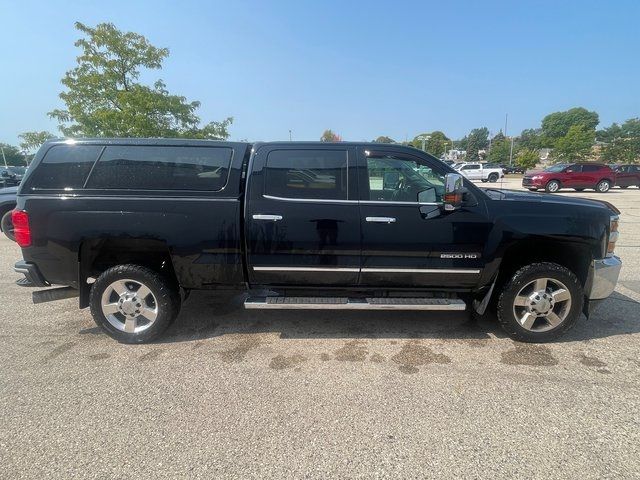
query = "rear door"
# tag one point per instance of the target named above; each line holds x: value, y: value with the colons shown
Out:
x: 301, y: 217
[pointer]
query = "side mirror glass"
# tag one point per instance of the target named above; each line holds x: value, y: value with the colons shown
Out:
x: 453, y: 190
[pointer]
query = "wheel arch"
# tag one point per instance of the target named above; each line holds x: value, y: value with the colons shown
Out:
x: 99, y: 254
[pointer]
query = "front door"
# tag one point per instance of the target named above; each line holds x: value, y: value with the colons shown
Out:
x: 408, y: 240
x: 302, y: 218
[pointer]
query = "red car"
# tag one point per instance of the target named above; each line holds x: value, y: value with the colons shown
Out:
x: 627, y: 175
x: 571, y: 175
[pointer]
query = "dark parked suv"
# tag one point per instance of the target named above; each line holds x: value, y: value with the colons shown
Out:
x: 578, y: 176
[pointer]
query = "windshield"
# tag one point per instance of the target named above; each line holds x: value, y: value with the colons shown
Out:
x: 556, y: 168
x: 17, y: 170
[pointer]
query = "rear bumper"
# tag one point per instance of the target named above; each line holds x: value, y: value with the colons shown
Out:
x: 31, y: 273
x: 603, y: 276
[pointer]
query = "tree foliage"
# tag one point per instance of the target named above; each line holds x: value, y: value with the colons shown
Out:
x: 12, y: 155
x: 384, y: 139
x: 622, y: 142
x: 330, y: 136
x: 531, y: 139
x: 557, y: 125
x: 32, y: 141
x: 500, y: 149
x: 478, y: 139
x: 575, y: 145
x: 436, y: 144
x: 527, y: 158
x: 104, y: 96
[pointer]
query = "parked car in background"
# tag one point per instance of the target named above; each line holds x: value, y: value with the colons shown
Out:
x: 578, y: 176
x: 509, y: 169
x: 479, y: 171
x: 627, y: 176
x: 7, y: 204
x: 8, y: 178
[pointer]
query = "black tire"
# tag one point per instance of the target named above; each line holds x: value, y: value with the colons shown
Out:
x: 483, y: 180
x: 164, y: 293
x: 6, y: 225
x: 603, y: 186
x: 552, y: 186
x: 493, y: 177
x: 523, y: 277
x: 579, y: 189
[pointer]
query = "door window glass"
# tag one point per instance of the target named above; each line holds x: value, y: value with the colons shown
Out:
x: 590, y: 168
x: 394, y: 179
x: 471, y: 167
x: 307, y: 174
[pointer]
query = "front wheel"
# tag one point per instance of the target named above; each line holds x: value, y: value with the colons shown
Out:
x: 553, y: 186
x: 540, y: 303
x: 133, y: 304
x: 6, y: 225
x: 603, y: 186
x: 493, y: 177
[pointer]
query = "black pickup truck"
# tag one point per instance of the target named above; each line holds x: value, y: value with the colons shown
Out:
x: 131, y: 226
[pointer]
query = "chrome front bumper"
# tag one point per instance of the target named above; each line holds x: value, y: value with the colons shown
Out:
x: 603, y: 276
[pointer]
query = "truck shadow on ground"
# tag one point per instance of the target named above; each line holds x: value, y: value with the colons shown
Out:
x: 205, y: 316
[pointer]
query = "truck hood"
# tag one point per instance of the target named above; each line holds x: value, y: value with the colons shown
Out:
x: 518, y: 196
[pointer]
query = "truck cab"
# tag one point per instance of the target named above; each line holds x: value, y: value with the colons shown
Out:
x: 130, y: 225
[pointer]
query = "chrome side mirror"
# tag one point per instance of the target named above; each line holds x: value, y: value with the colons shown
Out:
x: 453, y: 190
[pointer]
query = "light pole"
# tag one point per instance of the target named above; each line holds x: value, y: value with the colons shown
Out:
x: 424, y: 138
x: 511, y: 153
x: 289, y: 135
x: 3, y: 157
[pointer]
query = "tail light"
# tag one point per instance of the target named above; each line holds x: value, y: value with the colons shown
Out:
x: 613, y: 234
x: 21, y: 229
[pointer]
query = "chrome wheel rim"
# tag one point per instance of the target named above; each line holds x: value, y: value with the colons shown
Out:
x: 129, y: 306
x: 603, y: 187
x: 553, y: 187
x: 542, y: 305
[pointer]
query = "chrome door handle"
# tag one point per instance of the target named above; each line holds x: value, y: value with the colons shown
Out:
x: 381, y: 219
x: 272, y: 218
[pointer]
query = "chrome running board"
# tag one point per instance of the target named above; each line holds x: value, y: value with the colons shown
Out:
x: 344, y: 303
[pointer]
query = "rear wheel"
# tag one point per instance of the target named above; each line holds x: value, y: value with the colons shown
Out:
x: 6, y: 224
x: 493, y: 177
x: 133, y: 304
x: 553, y: 186
x: 540, y: 303
x: 603, y: 186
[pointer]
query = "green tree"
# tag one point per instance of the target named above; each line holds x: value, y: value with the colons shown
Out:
x: 12, y: 155
x: 500, y: 149
x: 557, y: 125
x: 531, y: 139
x: 104, y: 96
x: 622, y: 142
x: 436, y: 145
x: 330, y: 136
x: 527, y: 158
x: 384, y: 139
x: 32, y: 141
x: 575, y: 145
x: 478, y: 139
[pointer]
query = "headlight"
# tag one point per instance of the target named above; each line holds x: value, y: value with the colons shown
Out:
x: 613, y: 233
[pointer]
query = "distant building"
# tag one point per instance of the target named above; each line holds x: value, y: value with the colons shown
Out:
x: 455, y: 155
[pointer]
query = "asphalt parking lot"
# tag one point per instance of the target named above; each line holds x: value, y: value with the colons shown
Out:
x: 230, y: 393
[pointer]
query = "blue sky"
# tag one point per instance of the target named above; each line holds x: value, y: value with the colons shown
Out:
x: 362, y: 69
